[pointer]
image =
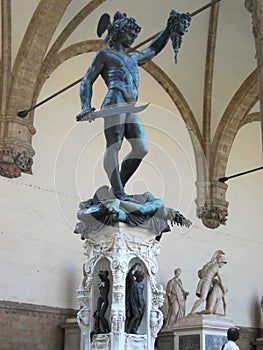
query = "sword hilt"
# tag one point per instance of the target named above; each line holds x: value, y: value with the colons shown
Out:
x: 86, y: 116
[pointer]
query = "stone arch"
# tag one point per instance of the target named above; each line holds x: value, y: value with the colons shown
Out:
x: 19, y: 86
x: 211, y: 204
x: 30, y: 56
x: 235, y: 115
x: 64, y: 35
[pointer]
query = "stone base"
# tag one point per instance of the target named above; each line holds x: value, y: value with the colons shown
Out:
x: 196, y: 332
x: 104, y: 342
x: 259, y: 344
x: 32, y: 326
x: 72, y: 334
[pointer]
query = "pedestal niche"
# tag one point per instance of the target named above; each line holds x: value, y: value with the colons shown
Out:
x: 196, y: 332
x: 115, y: 250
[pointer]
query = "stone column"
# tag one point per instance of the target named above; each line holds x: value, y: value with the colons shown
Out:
x: 116, y: 249
x: 255, y: 7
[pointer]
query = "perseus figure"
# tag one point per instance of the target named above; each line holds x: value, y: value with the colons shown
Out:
x: 119, y: 69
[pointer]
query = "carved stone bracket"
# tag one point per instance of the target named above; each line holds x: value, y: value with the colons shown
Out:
x: 16, y: 151
x: 212, y: 208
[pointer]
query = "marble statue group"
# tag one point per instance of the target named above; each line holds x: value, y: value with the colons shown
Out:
x: 210, y: 290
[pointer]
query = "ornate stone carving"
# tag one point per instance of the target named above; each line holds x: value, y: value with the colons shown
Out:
x: 118, y: 320
x: 83, y: 319
x: 210, y: 284
x: 135, y: 342
x: 12, y: 163
x: 156, y: 322
x: 212, y: 217
x: 16, y: 152
x: 101, y: 341
x: 119, y: 248
x: 211, y: 204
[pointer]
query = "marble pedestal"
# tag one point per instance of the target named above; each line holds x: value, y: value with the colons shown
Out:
x: 196, y: 332
x: 116, y: 249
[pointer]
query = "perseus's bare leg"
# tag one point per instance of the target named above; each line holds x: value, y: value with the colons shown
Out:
x: 136, y: 136
x: 114, y: 133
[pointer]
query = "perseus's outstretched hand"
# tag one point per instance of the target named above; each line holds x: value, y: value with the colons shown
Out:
x: 178, y: 24
x: 86, y: 115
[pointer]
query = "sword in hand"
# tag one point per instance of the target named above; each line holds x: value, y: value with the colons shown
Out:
x: 86, y: 115
x: 90, y: 114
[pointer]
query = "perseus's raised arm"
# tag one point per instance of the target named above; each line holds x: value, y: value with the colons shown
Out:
x: 156, y: 46
x: 177, y: 26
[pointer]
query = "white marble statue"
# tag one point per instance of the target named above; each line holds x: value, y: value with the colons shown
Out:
x: 210, y: 276
x: 175, y: 297
x: 215, y: 297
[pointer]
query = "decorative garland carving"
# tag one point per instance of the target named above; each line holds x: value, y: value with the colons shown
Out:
x: 121, y: 249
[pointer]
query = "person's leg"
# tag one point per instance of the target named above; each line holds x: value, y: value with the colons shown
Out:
x: 104, y: 322
x: 136, y: 136
x: 203, y: 295
x: 133, y: 324
x: 114, y: 133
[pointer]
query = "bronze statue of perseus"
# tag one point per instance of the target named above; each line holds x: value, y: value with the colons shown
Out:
x: 119, y: 69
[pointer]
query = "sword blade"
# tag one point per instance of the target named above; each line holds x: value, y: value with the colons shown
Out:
x: 110, y: 111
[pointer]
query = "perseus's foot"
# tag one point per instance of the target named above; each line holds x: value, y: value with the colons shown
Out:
x: 121, y: 195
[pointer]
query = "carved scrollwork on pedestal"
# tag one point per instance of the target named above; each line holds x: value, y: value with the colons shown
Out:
x: 117, y: 320
x: 102, y: 246
x: 87, y: 247
x: 158, y: 294
x: 118, y: 294
x: 120, y: 251
x: 138, y: 245
x: 101, y: 341
x: 134, y: 341
x: 84, y: 314
x: 83, y: 319
x: 118, y: 267
x: 156, y: 315
x: 155, y: 247
x: 119, y: 240
x: 156, y: 321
